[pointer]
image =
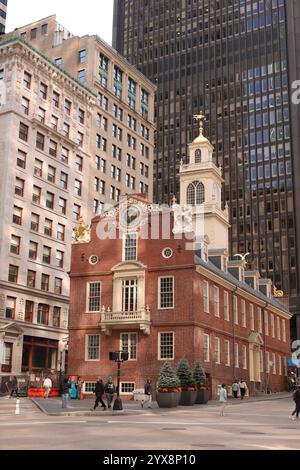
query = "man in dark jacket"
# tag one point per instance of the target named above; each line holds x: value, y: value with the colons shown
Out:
x: 109, y: 392
x: 148, y: 394
x: 296, y: 398
x: 66, y: 385
x: 99, y: 391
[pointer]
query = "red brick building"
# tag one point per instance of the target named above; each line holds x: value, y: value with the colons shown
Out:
x: 160, y: 300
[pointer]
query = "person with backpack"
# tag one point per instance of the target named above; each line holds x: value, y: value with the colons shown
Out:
x: 109, y: 390
x: 235, y: 388
x: 296, y: 398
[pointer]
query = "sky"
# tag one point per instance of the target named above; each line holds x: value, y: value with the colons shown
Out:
x: 94, y: 18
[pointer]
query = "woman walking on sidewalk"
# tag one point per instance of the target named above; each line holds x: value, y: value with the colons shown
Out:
x: 223, y: 399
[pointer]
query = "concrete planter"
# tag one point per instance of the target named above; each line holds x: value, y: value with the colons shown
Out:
x: 202, y: 397
x: 167, y: 400
x: 188, y: 398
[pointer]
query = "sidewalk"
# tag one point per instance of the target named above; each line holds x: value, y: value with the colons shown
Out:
x: 52, y: 406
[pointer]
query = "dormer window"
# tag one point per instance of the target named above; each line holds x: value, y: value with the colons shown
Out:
x: 195, y: 193
x: 198, y: 156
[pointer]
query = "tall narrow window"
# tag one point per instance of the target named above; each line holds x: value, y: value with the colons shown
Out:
x: 216, y: 302
x: 166, y: 346
x: 252, y: 324
x: 94, y: 296
x: 217, y: 351
x: 243, y: 312
x: 129, y: 344
x: 92, y: 348
x: 206, y: 296
x: 206, y: 348
x: 226, y: 306
x: 129, y: 295
x: 227, y: 352
x: 130, y: 247
x: 166, y: 292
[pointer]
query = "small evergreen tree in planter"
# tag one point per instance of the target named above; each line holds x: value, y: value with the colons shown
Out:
x: 168, y: 388
x: 203, y: 392
x: 188, y: 390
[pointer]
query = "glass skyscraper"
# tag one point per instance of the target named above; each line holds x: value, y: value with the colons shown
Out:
x: 236, y: 61
x: 3, y: 6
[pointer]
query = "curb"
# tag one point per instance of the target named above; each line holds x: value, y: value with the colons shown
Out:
x: 86, y: 413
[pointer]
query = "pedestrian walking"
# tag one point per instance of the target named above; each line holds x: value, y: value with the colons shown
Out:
x: 148, y: 394
x: 235, y: 389
x: 47, y: 386
x: 14, y: 387
x: 66, y: 385
x: 296, y: 398
x: 109, y: 390
x: 243, y: 388
x: 99, y: 391
x: 79, y: 387
x: 223, y: 399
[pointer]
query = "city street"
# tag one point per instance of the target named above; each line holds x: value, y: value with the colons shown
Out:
x: 262, y: 425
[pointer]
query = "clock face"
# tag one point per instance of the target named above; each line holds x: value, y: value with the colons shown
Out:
x: 94, y: 260
x: 131, y: 217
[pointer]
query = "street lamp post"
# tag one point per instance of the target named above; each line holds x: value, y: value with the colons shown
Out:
x: 118, y: 357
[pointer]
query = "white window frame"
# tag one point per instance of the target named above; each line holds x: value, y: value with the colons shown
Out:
x: 126, y: 393
x: 130, y: 334
x: 283, y: 325
x: 236, y: 356
x: 159, y: 293
x: 206, y: 350
x: 235, y: 310
x: 260, y: 320
x: 274, y: 363
x: 244, y: 313
x: 278, y: 328
x: 93, y: 384
x: 217, y: 301
x: 252, y: 320
x: 272, y: 325
x: 279, y: 365
x: 160, y: 333
x: 262, y: 365
x: 87, y: 336
x: 124, y: 247
x: 244, y: 357
x: 267, y: 362
x: 217, y: 350
x: 88, y: 292
x: 206, y: 296
x: 227, y: 352
x: 266, y: 323
x: 226, y: 305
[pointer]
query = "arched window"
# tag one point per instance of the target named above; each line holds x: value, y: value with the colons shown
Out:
x: 191, y: 191
x: 200, y: 195
x: 195, y: 193
x: 198, y: 156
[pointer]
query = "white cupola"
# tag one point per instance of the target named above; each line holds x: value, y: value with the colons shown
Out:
x: 201, y: 187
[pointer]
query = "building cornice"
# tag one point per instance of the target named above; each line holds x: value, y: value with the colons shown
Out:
x: 34, y: 292
x: 7, y: 46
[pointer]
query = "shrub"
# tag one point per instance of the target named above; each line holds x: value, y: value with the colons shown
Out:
x: 185, y: 375
x: 199, y: 376
x: 168, y: 380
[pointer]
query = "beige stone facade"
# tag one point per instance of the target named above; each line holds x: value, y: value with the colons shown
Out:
x: 44, y: 177
x: 122, y: 143
x: 72, y: 138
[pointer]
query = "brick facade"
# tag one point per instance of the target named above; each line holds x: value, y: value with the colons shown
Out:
x: 187, y: 320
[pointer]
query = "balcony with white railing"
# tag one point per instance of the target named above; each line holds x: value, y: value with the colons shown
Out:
x: 140, y: 319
